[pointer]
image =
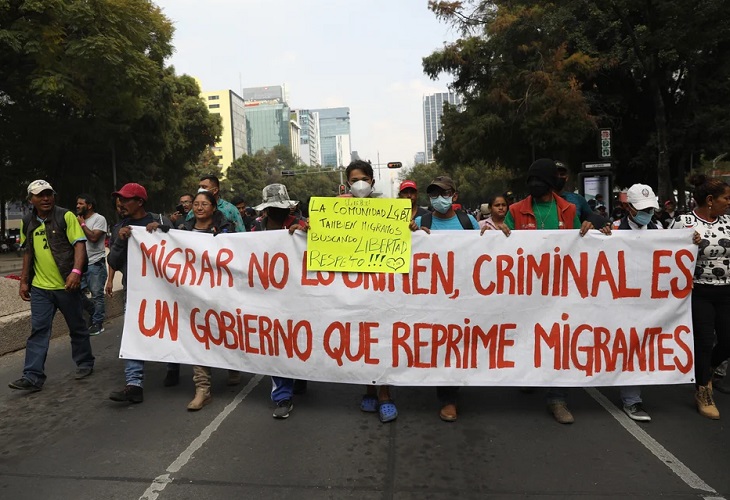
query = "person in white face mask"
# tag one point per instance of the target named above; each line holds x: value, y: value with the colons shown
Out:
x: 377, y: 399
x: 360, y: 179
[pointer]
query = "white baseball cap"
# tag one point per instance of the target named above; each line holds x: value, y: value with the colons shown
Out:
x: 38, y: 186
x: 641, y: 196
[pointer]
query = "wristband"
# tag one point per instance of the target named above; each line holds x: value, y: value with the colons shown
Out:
x: 83, y: 224
x: 77, y: 271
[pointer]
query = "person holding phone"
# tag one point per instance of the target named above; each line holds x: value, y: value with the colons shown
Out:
x: 181, y: 211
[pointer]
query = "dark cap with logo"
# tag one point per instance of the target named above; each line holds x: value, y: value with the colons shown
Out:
x: 441, y: 182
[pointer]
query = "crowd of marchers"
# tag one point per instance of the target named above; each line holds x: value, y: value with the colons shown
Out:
x: 66, y: 267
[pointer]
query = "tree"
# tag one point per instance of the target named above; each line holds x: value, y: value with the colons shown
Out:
x: 249, y: 175
x: 85, y: 95
x: 654, y: 71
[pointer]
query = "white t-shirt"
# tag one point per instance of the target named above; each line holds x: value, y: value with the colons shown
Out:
x: 96, y: 251
x: 713, y: 255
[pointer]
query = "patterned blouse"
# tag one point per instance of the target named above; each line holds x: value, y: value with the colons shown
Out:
x: 713, y: 255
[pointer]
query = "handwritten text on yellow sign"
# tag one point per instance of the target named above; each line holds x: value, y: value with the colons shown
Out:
x: 359, y: 235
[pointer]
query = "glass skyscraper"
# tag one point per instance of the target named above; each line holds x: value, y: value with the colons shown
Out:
x: 433, y: 108
x: 334, y: 136
x: 267, y: 125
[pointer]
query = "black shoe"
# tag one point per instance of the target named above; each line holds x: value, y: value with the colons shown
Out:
x: 83, y: 373
x: 300, y: 387
x: 96, y: 329
x: 172, y: 378
x: 24, y: 385
x: 283, y: 408
x: 131, y: 394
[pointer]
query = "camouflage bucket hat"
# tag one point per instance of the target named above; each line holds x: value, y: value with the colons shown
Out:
x: 275, y: 195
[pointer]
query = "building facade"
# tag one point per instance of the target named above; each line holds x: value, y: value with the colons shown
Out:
x: 419, y: 158
x: 230, y: 107
x: 267, y: 125
x: 334, y: 136
x: 309, y: 137
x: 433, y: 108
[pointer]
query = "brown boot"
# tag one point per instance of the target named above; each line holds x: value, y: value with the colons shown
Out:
x: 202, y: 398
x: 705, y: 402
x: 561, y: 413
x: 448, y: 413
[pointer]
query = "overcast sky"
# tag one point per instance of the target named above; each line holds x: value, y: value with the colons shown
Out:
x: 365, y: 54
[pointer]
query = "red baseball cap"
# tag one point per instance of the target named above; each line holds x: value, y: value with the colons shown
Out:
x: 132, y: 190
x: 407, y: 185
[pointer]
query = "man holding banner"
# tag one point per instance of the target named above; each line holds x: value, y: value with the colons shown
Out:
x: 442, y: 194
x: 544, y: 209
x: 277, y: 205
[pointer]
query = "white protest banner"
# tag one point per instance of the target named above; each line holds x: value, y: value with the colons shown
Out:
x: 540, y: 308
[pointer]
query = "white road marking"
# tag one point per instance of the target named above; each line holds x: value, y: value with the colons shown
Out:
x: 161, y: 481
x: 682, y: 471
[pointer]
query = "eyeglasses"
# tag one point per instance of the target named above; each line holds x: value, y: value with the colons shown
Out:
x: 202, y: 204
x: 436, y: 194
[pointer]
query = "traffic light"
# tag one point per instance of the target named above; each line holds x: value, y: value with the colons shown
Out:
x: 394, y: 164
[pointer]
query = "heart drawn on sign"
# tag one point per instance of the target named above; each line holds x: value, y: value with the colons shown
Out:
x: 395, y: 264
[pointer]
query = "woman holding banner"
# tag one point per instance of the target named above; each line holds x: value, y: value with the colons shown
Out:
x: 206, y: 219
x: 377, y: 398
x: 711, y: 291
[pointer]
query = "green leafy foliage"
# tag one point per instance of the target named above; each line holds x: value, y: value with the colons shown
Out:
x: 539, y: 78
x: 85, y: 95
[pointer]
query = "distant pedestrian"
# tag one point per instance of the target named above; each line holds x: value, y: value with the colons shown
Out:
x: 211, y: 184
x: 94, y: 227
x: 51, y: 280
x: 409, y: 191
x: 495, y: 211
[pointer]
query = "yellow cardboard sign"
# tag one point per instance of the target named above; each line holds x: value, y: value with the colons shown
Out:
x: 359, y: 235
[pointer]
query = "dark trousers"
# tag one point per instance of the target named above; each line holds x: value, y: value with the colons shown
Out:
x: 711, y: 325
x: 43, y: 307
x: 447, y: 394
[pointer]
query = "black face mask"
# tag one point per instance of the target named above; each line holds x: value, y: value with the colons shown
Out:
x: 278, y: 215
x: 538, y: 188
x: 560, y: 184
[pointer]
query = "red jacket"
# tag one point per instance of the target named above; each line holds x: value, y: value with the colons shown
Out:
x: 524, y: 217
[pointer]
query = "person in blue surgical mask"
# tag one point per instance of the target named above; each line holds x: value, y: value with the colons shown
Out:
x: 442, y: 194
x: 641, y: 203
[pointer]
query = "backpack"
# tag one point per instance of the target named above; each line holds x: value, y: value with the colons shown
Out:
x: 427, y: 220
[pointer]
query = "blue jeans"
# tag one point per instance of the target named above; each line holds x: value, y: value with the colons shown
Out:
x: 43, y: 307
x: 95, y: 280
x: 281, y: 388
x: 630, y: 394
x: 134, y: 372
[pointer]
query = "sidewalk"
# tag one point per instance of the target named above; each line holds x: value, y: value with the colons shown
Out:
x: 15, y: 313
x: 10, y: 262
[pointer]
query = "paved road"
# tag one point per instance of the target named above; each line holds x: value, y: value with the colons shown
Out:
x: 70, y: 442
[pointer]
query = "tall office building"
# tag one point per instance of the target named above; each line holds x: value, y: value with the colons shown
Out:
x: 268, y: 125
x: 419, y: 158
x: 230, y: 107
x: 433, y: 108
x: 269, y: 120
x: 309, y: 137
x: 270, y: 93
x: 334, y: 136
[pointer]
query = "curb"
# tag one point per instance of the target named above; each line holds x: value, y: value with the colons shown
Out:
x: 15, y: 328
